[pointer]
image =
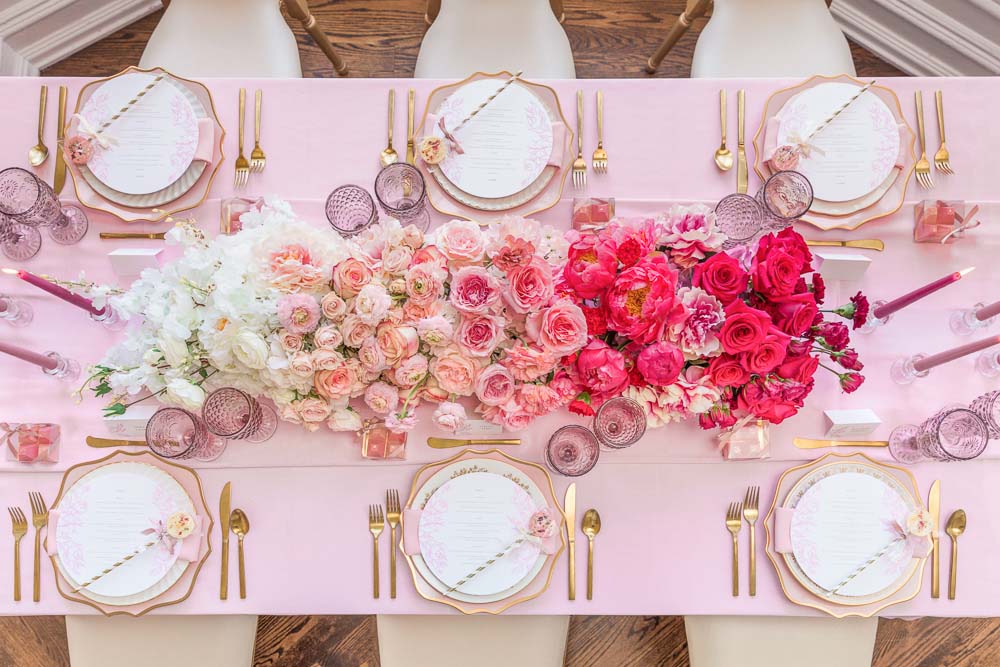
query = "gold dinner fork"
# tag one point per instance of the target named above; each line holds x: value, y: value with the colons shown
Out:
x: 242, y: 165
x: 39, y: 518
x: 600, y: 156
x: 376, y: 523
x: 257, y: 158
x: 750, y: 514
x: 392, y: 513
x: 733, y: 522
x: 579, y: 165
x: 923, y: 168
x: 941, y: 159
x: 19, y: 526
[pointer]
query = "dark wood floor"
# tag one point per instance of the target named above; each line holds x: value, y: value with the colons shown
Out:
x: 610, y: 38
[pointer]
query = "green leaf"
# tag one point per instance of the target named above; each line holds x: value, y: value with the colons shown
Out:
x: 114, y: 409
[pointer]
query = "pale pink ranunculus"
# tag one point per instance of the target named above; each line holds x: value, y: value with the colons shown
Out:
x: 400, y: 424
x: 529, y: 362
x: 479, y: 335
x: 292, y: 269
x: 454, y: 371
x: 495, y: 385
x: 425, y: 282
x: 355, y: 331
x: 333, y: 307
x: 300, y: 364
x: 334, y: 384
x: 370, y: 356
x: 412, y: 238
x: 328, y: 337
x: 372, y: 304
x: 298, y: 313
x: 396, y: 342
x: 436, y: 331
x: 410, y: 371
x: 396, y: 260
x: 289, y: 342
x: 531, y: 285
x: 538, y: 399
x: 473, y: 289
x: 697, y: 333
x: 450, y: 417
x: 381, y: 397
x: 691, y: 234
x: 350, y: 276
x: 461, y: 241
x: 561, y: 328
x: 312, y: 411
x: 326, y: 360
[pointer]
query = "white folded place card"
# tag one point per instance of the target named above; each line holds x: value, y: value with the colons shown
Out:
x: 479, y: 427
x: 850, y: 423
x: 133, y: 261
x: 132, y: 424
x: 842, y: 266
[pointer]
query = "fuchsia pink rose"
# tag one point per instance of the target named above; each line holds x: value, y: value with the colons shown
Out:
x: 744, y: 328
x: 495, y: 385
x: 449, y: 417
x: 382, y: 398
x: 530, y: 286
x: 473, y: 289
x: 660, y: 363
x: 766, y: 355
x: 350, y: 276
x: 722, y: 277
x: 298, y: 313
x: 642, y: 304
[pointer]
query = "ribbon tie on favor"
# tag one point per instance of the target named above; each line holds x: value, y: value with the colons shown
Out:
x: 103, y: 139
x: 28, y: 442
x: 802, y: 144
x: 967, y: 223
x: 452, y: 141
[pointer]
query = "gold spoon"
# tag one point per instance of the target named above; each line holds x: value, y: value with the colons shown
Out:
x: 954, y: 528
x: 723, y: 158
x: 39, y: 152
x: 241, y: 526
x: 591, y: 527
x: 389, y: 154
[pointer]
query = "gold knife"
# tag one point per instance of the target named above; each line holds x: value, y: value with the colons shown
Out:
x: 93, y: 441
x: 133, y: 235
x: 570, y: 515
x: 867, y: 244
x: 807, y: 443
x: 934, y: 509
x: 60, y: 178
x: 224, y: 519
x: 446, y: 443
x: 411, y: 153
x: 741, y: 151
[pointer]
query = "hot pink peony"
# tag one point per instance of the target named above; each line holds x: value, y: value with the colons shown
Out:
x: 600, y: 370
x: 660, y: 363
x: 591, y: 265
x: 642, y: 304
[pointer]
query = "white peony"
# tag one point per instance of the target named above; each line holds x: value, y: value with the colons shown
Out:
x: 185, y: 394
x: 250, y: 349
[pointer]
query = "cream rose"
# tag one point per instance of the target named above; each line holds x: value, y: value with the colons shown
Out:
x: 333, y: 307
x: 396, y: 260
x: 328, y: 337
x: 300, y: 364
x: 250, y: 349
x: 185, y: 394
x: 344, y: 419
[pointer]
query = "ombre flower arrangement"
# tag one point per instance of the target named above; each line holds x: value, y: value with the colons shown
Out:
x: 688, y: 330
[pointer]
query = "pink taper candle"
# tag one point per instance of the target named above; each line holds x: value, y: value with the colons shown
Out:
x: 891, y: 307
x: 32, y: 357
x: 986, y: 312
x: 933, y: 360
x: 57, y: 291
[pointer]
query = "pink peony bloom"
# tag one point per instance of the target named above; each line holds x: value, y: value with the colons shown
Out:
x: 461, y: 241
x: 691, y: 235
x: 697, y: 333
x: 660, y: 363
x: 292, y: 269
x: 600, y: 370
x: 495, y: 385
x: 560, y: 329
x: 632, y: 241
x: 642, y: 303
x: 298, y: 313
x: 591, y: 265
x: 449, y: 417
x: 527, y: 363
x: 372, y: 304
x: 350, y: 276
x: 382, y: 398
x: 473, y: 289
x: 531, y: 285
x: 479, y: 335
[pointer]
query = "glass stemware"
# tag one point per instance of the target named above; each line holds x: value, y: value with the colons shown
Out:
x: 350, y: 210
x: 620, y: 422
x: 987, y: 406
x: 785, y: 197
x: 175, y: 433
x: 953, y: 434
x: 740, y: 217
x: 18, y: 241
x: 31, y: 201
x: 236, y: 415
x: 402, y: 194
x: 572, y: 451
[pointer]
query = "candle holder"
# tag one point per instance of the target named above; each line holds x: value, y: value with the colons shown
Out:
x: 67, y: 370
x: 903, y: 371
x: 109, y: 318
x: 988, y: 364
x: 16, y: 312
x: 964, y: 322
x: 873, y: 323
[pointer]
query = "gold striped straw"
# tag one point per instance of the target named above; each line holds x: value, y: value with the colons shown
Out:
x: 839, y: 111
x: 485, y: 565
x: 871, y: 561
x: 488, y: 100
x: 118, y: 564
x: 132, y: 102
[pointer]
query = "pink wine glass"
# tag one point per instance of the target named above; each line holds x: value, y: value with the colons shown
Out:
x: 401, y: 193
x: 619, y: 423
x: 953, y: 434
x: 236, y: 415
x: 350, y: 210
x: 572, y: 451
x: 175, y: 433
x: 31, y: 201
x: 987, y: 406
x: 740, y: 217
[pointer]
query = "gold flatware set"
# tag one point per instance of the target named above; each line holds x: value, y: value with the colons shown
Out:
x: 393, y: 512
x: 569, y: 509
x: 39, y: 153
x: 411, y: 150
x: 240, y: 525
x: 599, y: 161
x: 377, y: 520
x: 736, y: 514
x: 388, y: 155
x: 59, y: 178
x: 93, y: 441
x: 742, y: 172
x: 19, y: 528
x: 235, y: 521
x: 39, y: 519
x: 258, y: 160
x: 942, y: 159
x: 591, y: 527
x: 723, y: 156
x: 107, y: 236
x: 954, y: 528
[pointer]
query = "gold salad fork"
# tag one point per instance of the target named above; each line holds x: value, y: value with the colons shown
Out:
x: 376, y: 523
x: 19, y: 526
x: 923, y: 168
x: 392, y: 513
x: 579, y: 165
x: 750, y: 514
x: 242, y: 165
x: 257, y: 158
x: 733, y: 522
x: 941, y: 159
x: 39, y: 518
x: 600, y: 156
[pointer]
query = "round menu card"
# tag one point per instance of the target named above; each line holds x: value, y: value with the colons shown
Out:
x: 855, y: 153
x: 151, y: 144
x: 506, y: 146
x: 468, y: 521
x: 101, y: 520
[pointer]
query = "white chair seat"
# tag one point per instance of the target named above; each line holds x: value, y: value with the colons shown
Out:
x: 161, y: 641
x: 481, y: 641
x: 780, y: 641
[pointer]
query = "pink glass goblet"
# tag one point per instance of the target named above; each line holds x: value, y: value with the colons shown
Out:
x: 740, y: 217
x: 401, y: 193
x: 18, y: 241
x: 619, y: 423
x: 572, y: 451
x: 987, y: 406
x: 31, y: 201
x: 175, y: 433
x: 953, y: 434
x: 350, y: 210
x: 236, y: 415
x: 785, y: 197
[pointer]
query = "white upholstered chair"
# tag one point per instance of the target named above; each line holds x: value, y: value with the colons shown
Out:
x: 492, y: 35
x: 161, y: 641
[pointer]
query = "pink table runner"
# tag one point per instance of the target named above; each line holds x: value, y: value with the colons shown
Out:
x: 648, y: 563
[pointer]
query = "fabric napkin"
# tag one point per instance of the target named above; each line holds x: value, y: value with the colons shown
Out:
x: 206, y: 140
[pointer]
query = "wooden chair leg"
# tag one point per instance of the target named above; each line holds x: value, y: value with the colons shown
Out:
x: 299, y: 9
x: 694, y: 9
x: 433, y: 8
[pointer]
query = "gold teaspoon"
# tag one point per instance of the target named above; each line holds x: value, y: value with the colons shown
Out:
x: 591, y: 527
x: 39, y: 152
x: 723, y: 158
x: 388, y: 155
x: 240, y: 524
x: 954, y: 528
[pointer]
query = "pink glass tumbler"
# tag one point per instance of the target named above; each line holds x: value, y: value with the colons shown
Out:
x: 953, y: 434
x: 572, y: 451
x: 175, y: 433
x: 619, y: 423
x: 236, y: 415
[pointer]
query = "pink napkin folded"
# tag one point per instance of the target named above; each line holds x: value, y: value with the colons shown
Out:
x: 206, y: 140
x: 558, y: 139
x: 783, y: 535
x: 774, y: 124
x: 190, y: 550
x: 411, y: 534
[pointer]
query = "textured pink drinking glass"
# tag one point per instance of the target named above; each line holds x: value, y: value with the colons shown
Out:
x: 572, y: 451
x: 953, y: 434
x: 401, y: 193
x: 786, y: 196
x: 31, y: 201
x: 619, y: 423
x: 739, y: 217
x: 987, y: 406
x: 175, y: 433
x: 18, y: 241
x: 236, y: 415
x: 350, y: 210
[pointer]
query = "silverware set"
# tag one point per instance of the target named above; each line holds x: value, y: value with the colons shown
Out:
x: 233, y: 521
x: 599, y: 161
x: 942, y: 159
x: 736, y: 514
x: 258, y: 160
x: 19, y: 528
x: 954, y: 528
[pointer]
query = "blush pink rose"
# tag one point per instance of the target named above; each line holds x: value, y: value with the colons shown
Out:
x: 350, y: 276
x: 430, y: 254
x: 397, y: 259
x: 529, y: 362
x: 479, y: 335
x: 326, y: 360
x: 370, y: 356
x: 561, y: 328
x: 334, y: 384
x: 530, y: 286
x: 301, y: 365
x: 334, y: 308
x: 495, y: 385
x: 643, y: 303
x: 289, y: 342
x: 413, y: 238
x: 454, y: 371
x: 414, y: 312
x: 312, y: 411
x: 396, y: 342
x: 473, y: 289
x: 660, y: 363
x: 461, y: 241
x: 328, y: 337
x: 355, y: 331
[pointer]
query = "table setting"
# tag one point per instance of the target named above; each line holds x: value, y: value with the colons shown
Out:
x: 416, y: 381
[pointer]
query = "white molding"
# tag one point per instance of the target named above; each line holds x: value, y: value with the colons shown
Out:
x: 13, y: 63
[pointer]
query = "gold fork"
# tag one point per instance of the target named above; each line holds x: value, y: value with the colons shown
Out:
x: 392, y: 512
x: 376, y: 523
x: 600, y: 156
x: 941, y: 159
x: 579, y: 165
x: 733, y: 522
x: 19, y: 526
x: 923, y: 167
x: 39, y: 518
x: 257, y: 158
x: 750, y: 514
x: 242, y: 165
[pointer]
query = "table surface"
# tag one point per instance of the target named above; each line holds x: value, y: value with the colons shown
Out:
x: 664, y: 548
